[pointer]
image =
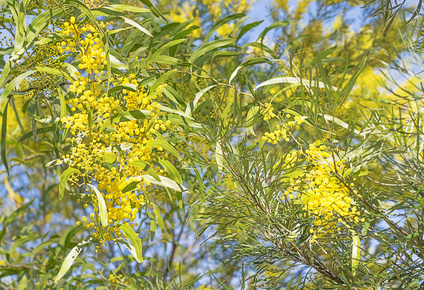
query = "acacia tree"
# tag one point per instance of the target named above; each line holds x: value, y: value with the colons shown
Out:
x: 147, y: 149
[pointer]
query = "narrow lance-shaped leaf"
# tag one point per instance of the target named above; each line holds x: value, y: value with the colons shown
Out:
x: 160, y: 50
x: 153, y: 8
x: 135, y: 245
x: 62, y: 103
x: 10, y: 219
x: 69, y: 260
x: 12, y: 194
x: 146, y: 167
x: 219, y: 156
x: 172, y: 171
x: 249, y: 62
x: 250, y: 119
x: 102, y: 206
x: 205, y: 48
x: 356, y: 253
x: 164, y: 181
x: 192, y: 105
x: 64, y: 178
x: 248, y: 27
x: 14, y: 83
x: 222, y: 22
x: 165, y: 145
x: 162, y: 79
x: 3, y: 139
x: 159, y: 218
x: 126, y: 8
x: 136, y: 25
x: 152, y: 226
x: 292, y: 80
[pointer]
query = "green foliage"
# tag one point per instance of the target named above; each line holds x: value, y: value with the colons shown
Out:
x: 223, y: 153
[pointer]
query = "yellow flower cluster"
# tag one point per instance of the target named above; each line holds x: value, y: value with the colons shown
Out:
x: 275, y: 136
x: 289, y: 160
x: 85, y: 39
x: 267, y: 112
x: 281, y: 132
x: 117, y: 279
x: 105, y: 142
x: 225, y: 29
x: 185, y: 13
x: 322, y: 193
x: 216, y: 8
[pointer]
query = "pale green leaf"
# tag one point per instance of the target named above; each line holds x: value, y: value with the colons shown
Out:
x: 102, y: 206
x: 165, y: 145
x: 135, y: 245
x: 164, y: 181
x: 192, y: 105
x: 69, y: 260
x: 64, y: 178
x: 158, y: 216
x: 14, y: 84
x: 172, y: 171
x: 356, y: 253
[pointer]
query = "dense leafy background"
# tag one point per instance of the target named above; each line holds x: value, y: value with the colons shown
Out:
x: 350, y: 70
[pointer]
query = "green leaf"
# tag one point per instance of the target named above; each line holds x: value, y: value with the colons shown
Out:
x: 3, y: 139
x: 346, y: 90
x: 154, y: 10
x: 273, y: 26
x: 129, y: 87
x: 219, y: 156
x: 64, y: 178
x: 322, y: 55
x: 136, y: 25
x: 165, y: 145
x: 14, y: 83
x: 221, y: 22
x: 247, y: 63
x: 158, y: 216
x: 250, y: 118
x: 13, y: 216
x: 293, y: 80
x: 248, y: 27
x: 54, y: 71
x: 135, y: 246
x: 339, y: 122
x: 115, y: 63
x: 146, y: 167
x: 126, y: 8
x: 69, y: 260
x: 356, y: 253
x: 134, y: 115
x: 109, y: 157
x: 172, y: 171
x: 62, y: 103
x: 130, y: 186
x: 158, y: 52
x: 38, y: 131
x: 180, y: 200
x: 40, y: 22
x: 5, y: 74
x: 152, y: 226
x: 207, y: 47
x: 192, y: 105
x: 162, y: 79
x: 102, y: 206
x: 164, y: 181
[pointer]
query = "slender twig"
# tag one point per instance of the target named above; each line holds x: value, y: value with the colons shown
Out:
x: 175, y: 243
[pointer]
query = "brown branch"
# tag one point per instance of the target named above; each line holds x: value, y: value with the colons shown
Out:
x: 174, y: 247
